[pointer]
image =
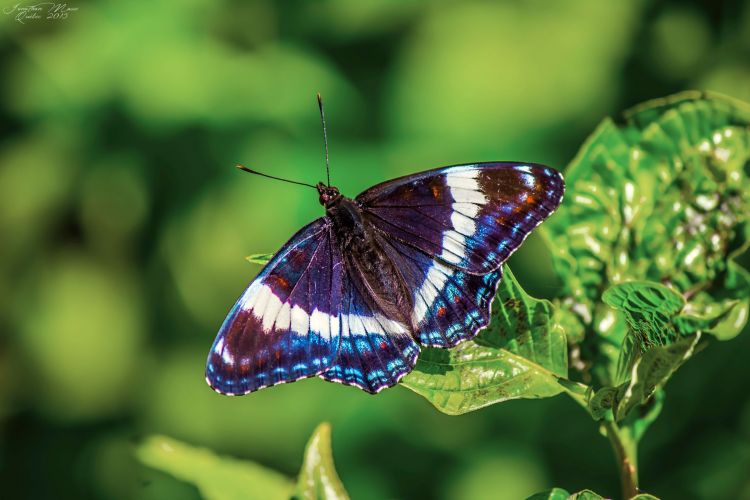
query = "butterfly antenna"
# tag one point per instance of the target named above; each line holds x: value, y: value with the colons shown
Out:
x: 250, y: 171
x: 325, y: 138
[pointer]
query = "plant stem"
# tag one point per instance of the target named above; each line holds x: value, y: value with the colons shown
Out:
x: 579, y: 392
x: 626, y: 451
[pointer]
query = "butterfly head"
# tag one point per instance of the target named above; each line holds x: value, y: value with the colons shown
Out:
x: 329, y: 195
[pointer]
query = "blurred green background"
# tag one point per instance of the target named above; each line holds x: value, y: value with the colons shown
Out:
x: 123, y: 227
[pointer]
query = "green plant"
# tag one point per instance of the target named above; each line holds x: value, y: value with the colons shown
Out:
x: 655, y: 212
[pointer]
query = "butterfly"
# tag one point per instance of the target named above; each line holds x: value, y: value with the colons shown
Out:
x: 412, y: 262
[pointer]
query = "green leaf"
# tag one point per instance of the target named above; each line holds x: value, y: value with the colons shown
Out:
x: 259, y: 258
x: 649, y: 371
x: 522, y: 354
x: 602, y: 402
x: 216, y: 477
x: 570, y: 323
x: 661, y: 197
x: 318, y: 478
x: 585, y: 495
x: 553, y: 494
x: 660, y: 338
x: 649, y: 308
x: 729, y: 305
x: 561, y: 494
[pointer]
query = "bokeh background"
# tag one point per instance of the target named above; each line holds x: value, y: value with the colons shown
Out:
x: 124, y: 226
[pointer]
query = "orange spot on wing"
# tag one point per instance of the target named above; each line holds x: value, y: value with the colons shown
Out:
x: 277, y: 281
x: 383, y: 346
x: 435, y: 192
x: 529, y: 199
x: 441, y: 312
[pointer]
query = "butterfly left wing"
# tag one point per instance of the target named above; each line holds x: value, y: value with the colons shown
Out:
x: 472, y: 217
x: 285, y: 326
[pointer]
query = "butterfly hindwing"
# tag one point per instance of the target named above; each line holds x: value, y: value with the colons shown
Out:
x: 285, y: 325
x: 470, y: 216
x: 450, y: 305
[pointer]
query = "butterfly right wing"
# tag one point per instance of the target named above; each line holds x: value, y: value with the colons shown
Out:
x: 449, y: 231
x: 285, y: 326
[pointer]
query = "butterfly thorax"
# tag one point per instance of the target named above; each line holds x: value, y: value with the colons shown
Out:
x: 348, y: 221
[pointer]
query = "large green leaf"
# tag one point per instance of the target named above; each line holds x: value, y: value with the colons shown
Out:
x: 216, y: 477
x: 661, y: 197
x: 318, y: 478
x: 522, y: 354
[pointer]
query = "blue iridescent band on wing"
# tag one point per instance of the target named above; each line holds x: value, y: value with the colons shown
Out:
x: 376, y: 351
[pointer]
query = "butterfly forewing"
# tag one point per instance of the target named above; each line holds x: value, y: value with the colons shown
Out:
x: 470, y: 216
